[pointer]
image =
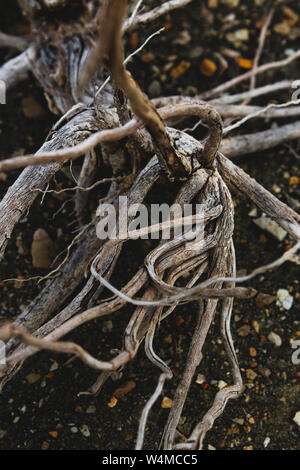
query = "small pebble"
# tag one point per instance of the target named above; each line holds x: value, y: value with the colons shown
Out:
x: 45, y: 445
x: 245, y: 63
x: 183, y: 39
x: 42, y: 249
x: 196, y: 52
x: 213, y: 4
x: 294, y: 180
x: 32, y: 108
x: 276, y: 188
x: 54, y: 366
x: 253, y: 212
x: 255, y: 325
x: 125, y: 389
x: 147, y: 57
x: 200, y: 379
x: 180, y: 69
x: 32, y: 378
x: 166, y: 402
x: 265, y: 223
x: 282, y: 28
x: 112, y: 403
x: 231, y: 3
x: 267, y: 442
x: 107, y: 326
x: 296, y: 418
x: 263, y: 300
x: 154, y: 89
x: 238, y: 36
x: 265, y: 372
x: 244, y: 331
x: 239, y: 421
x: 208, y: 68
x: 250, y: 374
x: 289, y: 13
x: 285, y: 299
x: 275, y: 339
x: 91, y: 409
x: 85, y: 431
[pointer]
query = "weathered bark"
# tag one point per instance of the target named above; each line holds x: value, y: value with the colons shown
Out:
x: 24, y: 191
x: 259, y: 141
x: 62, y: 45
x: 15, y: 42
x: 17, y: 69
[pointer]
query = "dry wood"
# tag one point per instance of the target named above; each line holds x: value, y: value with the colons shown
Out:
x: 17, y: 69
x: 199, y: 173
x: 15, y: 42
x: 24, y: 191
x: 261, y: 69
x: 145, y: 18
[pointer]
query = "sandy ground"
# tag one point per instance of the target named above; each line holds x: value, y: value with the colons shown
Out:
x: 40, y: 408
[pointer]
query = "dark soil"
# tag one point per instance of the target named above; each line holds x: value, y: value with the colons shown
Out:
x: 49, y: 413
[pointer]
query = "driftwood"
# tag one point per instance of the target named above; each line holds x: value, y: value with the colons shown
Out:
x: 71, y: 59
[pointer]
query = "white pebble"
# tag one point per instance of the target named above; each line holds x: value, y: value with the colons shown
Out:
x: 91, y: 409
x: 54, y: 366
x: 296, y: 418
x: 85, y: 430
x: 200, y: 379
x: 285, y: 299
x: 267, y: 442
x: 275, y: 339
x: 253, y: 212
x: 265, y: 223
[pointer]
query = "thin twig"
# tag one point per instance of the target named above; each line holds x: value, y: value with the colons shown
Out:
x: 15, y: 42
x: 79, y: 188
x: 146, y: 411
x: 134, y: 13
x: 250, y: 94
x: 152, y: 15
x: 128, y: 58
x: 234, y: 81
x: 261, y: 42
x: 246, y: 144
x: 17, y: 69
x: 259, y: 113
